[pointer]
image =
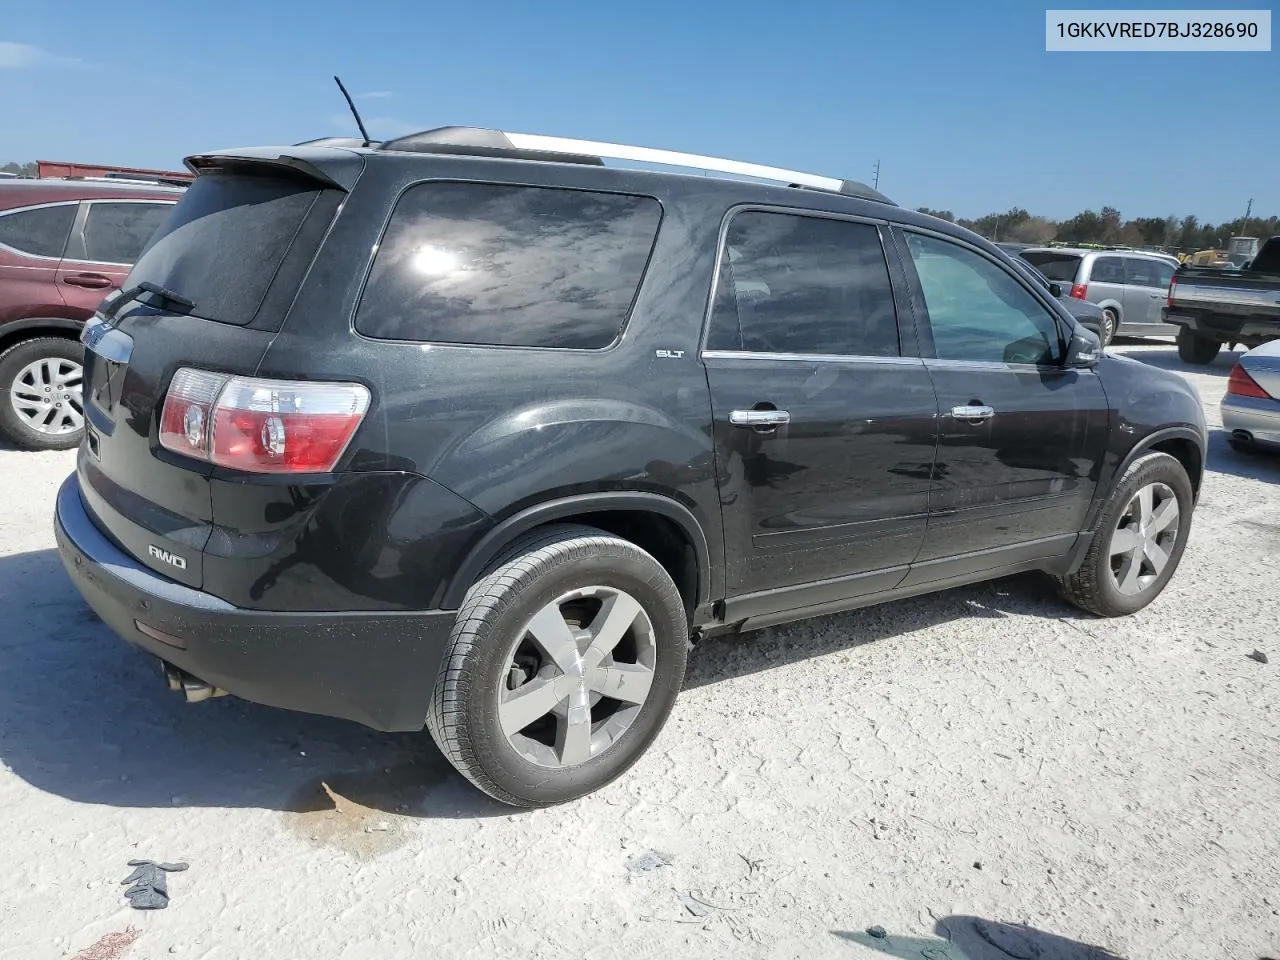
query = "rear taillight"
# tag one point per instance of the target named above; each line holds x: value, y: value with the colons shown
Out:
x: 1173, y: 289
x: 1080, y: 291
x: 261, y: 426
x: 1240, y: 384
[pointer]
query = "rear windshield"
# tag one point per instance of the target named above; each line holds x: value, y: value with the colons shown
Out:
x: 506, y: 265
x: 1061, y: 267
x: 225, y: 241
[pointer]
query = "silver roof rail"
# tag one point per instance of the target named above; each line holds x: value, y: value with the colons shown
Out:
x: 477, y: 141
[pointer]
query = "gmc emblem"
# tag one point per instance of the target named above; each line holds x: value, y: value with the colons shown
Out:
x: 164, y: 556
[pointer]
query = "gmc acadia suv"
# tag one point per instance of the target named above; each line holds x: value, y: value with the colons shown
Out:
x: 64, y: 245
x: 472, y: 431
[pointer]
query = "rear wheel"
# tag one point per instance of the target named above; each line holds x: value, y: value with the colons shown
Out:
x: 1109, y: 323
x: 41, y: 406
x: 1193, y: 348
x: 563, y: 665
x: 1138, y: 541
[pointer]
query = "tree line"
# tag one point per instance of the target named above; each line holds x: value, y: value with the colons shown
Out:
x: 1107, y: 226
x: 19, y: 169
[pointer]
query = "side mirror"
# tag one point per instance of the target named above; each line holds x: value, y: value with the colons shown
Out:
x: 1083, y: 349
x: 1055, y: 290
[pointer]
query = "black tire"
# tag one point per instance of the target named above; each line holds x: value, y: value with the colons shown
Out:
x: 1193, y: 348
x: 1092, y: 586
x: 463, y: 717
x: 12, y: 362
x: 1110, y: 323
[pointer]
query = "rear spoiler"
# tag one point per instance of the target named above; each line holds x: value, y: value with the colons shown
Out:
x: 332, y: 167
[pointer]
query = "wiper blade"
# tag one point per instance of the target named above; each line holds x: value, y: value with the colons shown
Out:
x: 158, y: 297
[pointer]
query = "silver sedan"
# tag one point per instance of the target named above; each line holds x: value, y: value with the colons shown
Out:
x: 1251, y: 407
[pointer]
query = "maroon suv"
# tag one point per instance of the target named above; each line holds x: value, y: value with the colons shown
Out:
x: 64, y: 245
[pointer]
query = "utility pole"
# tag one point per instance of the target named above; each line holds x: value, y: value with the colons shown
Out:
x: 876, y: 182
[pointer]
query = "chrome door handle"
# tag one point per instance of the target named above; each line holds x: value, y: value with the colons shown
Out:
x: 759, y: 418
x: 973, y: 413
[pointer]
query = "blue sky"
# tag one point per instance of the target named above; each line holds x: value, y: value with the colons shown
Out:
x: 959, y: 102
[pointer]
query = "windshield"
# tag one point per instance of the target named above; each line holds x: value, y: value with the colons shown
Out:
x: 1061, y: 267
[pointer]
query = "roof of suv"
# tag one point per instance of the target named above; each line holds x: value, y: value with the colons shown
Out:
x: 25, y: 192
x: 501, y: 145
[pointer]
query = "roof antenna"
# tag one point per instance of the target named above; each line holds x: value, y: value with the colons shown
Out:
x: 354, y: 112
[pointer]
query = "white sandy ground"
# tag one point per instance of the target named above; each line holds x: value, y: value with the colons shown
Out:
x: 1118, y: 782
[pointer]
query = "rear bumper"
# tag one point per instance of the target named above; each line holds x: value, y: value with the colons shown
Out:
x: 1223, y: 327
x: 375, y: 668
x: 1257, y: 417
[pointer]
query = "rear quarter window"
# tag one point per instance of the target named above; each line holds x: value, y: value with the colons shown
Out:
x: 1060, y: 267
x: 503, y: 265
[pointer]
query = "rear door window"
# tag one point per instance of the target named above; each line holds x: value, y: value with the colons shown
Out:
x: 495, y: 264
x: 1107, y: 270
x: 799, y: 284
x: 1148, y: 273
x: 1061, y: 267
x: 116, y: 231
x: 227, y: 238
x: 38, y: 231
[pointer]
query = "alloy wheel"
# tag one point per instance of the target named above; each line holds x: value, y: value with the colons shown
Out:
x: 46, y: 395
x: 1143, y: 540
x: 577, y: 677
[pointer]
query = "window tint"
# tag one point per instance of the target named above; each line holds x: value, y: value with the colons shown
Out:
x: 117, y: 232
x: 1061, y: 267
x: 1107, y: 270
x: 42, y: 232
x: 978, y: 311
x: 225, y: 241
x: 508, y: 265
x: 796, y: 284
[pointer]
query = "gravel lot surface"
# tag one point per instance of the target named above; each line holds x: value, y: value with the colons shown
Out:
x: 983, y: 773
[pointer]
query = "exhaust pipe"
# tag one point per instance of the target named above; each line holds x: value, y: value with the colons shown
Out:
x: 193, y: 688
x: 1242, y: 436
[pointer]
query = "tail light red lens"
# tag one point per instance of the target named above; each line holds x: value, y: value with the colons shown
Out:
x: 261, y: 426
x: 1240, y: 384
x: 1080, y: 291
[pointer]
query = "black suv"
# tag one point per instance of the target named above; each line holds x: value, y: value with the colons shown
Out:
x: 471, y: 430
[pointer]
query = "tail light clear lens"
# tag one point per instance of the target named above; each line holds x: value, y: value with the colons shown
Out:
x: 188, y: 411
x: 261, y: 426
x: 1240, y: 384
x: 1173, y: 290
x: 1080, y: 291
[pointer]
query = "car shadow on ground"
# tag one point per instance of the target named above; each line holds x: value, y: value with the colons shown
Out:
x: 737, y: 655
x: 1166, y: 358
x: 1263, y: 465
x: 86, y: 716
x: 973, y: 938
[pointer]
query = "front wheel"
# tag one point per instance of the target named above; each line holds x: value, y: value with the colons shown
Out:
x: 1195, y: 349
x: 1138, y: 541
x: 562, y: 667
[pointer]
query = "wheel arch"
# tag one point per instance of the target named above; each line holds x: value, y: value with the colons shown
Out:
x: 1183, y: 443
x: 16, y: 331
x: 660, y: 525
